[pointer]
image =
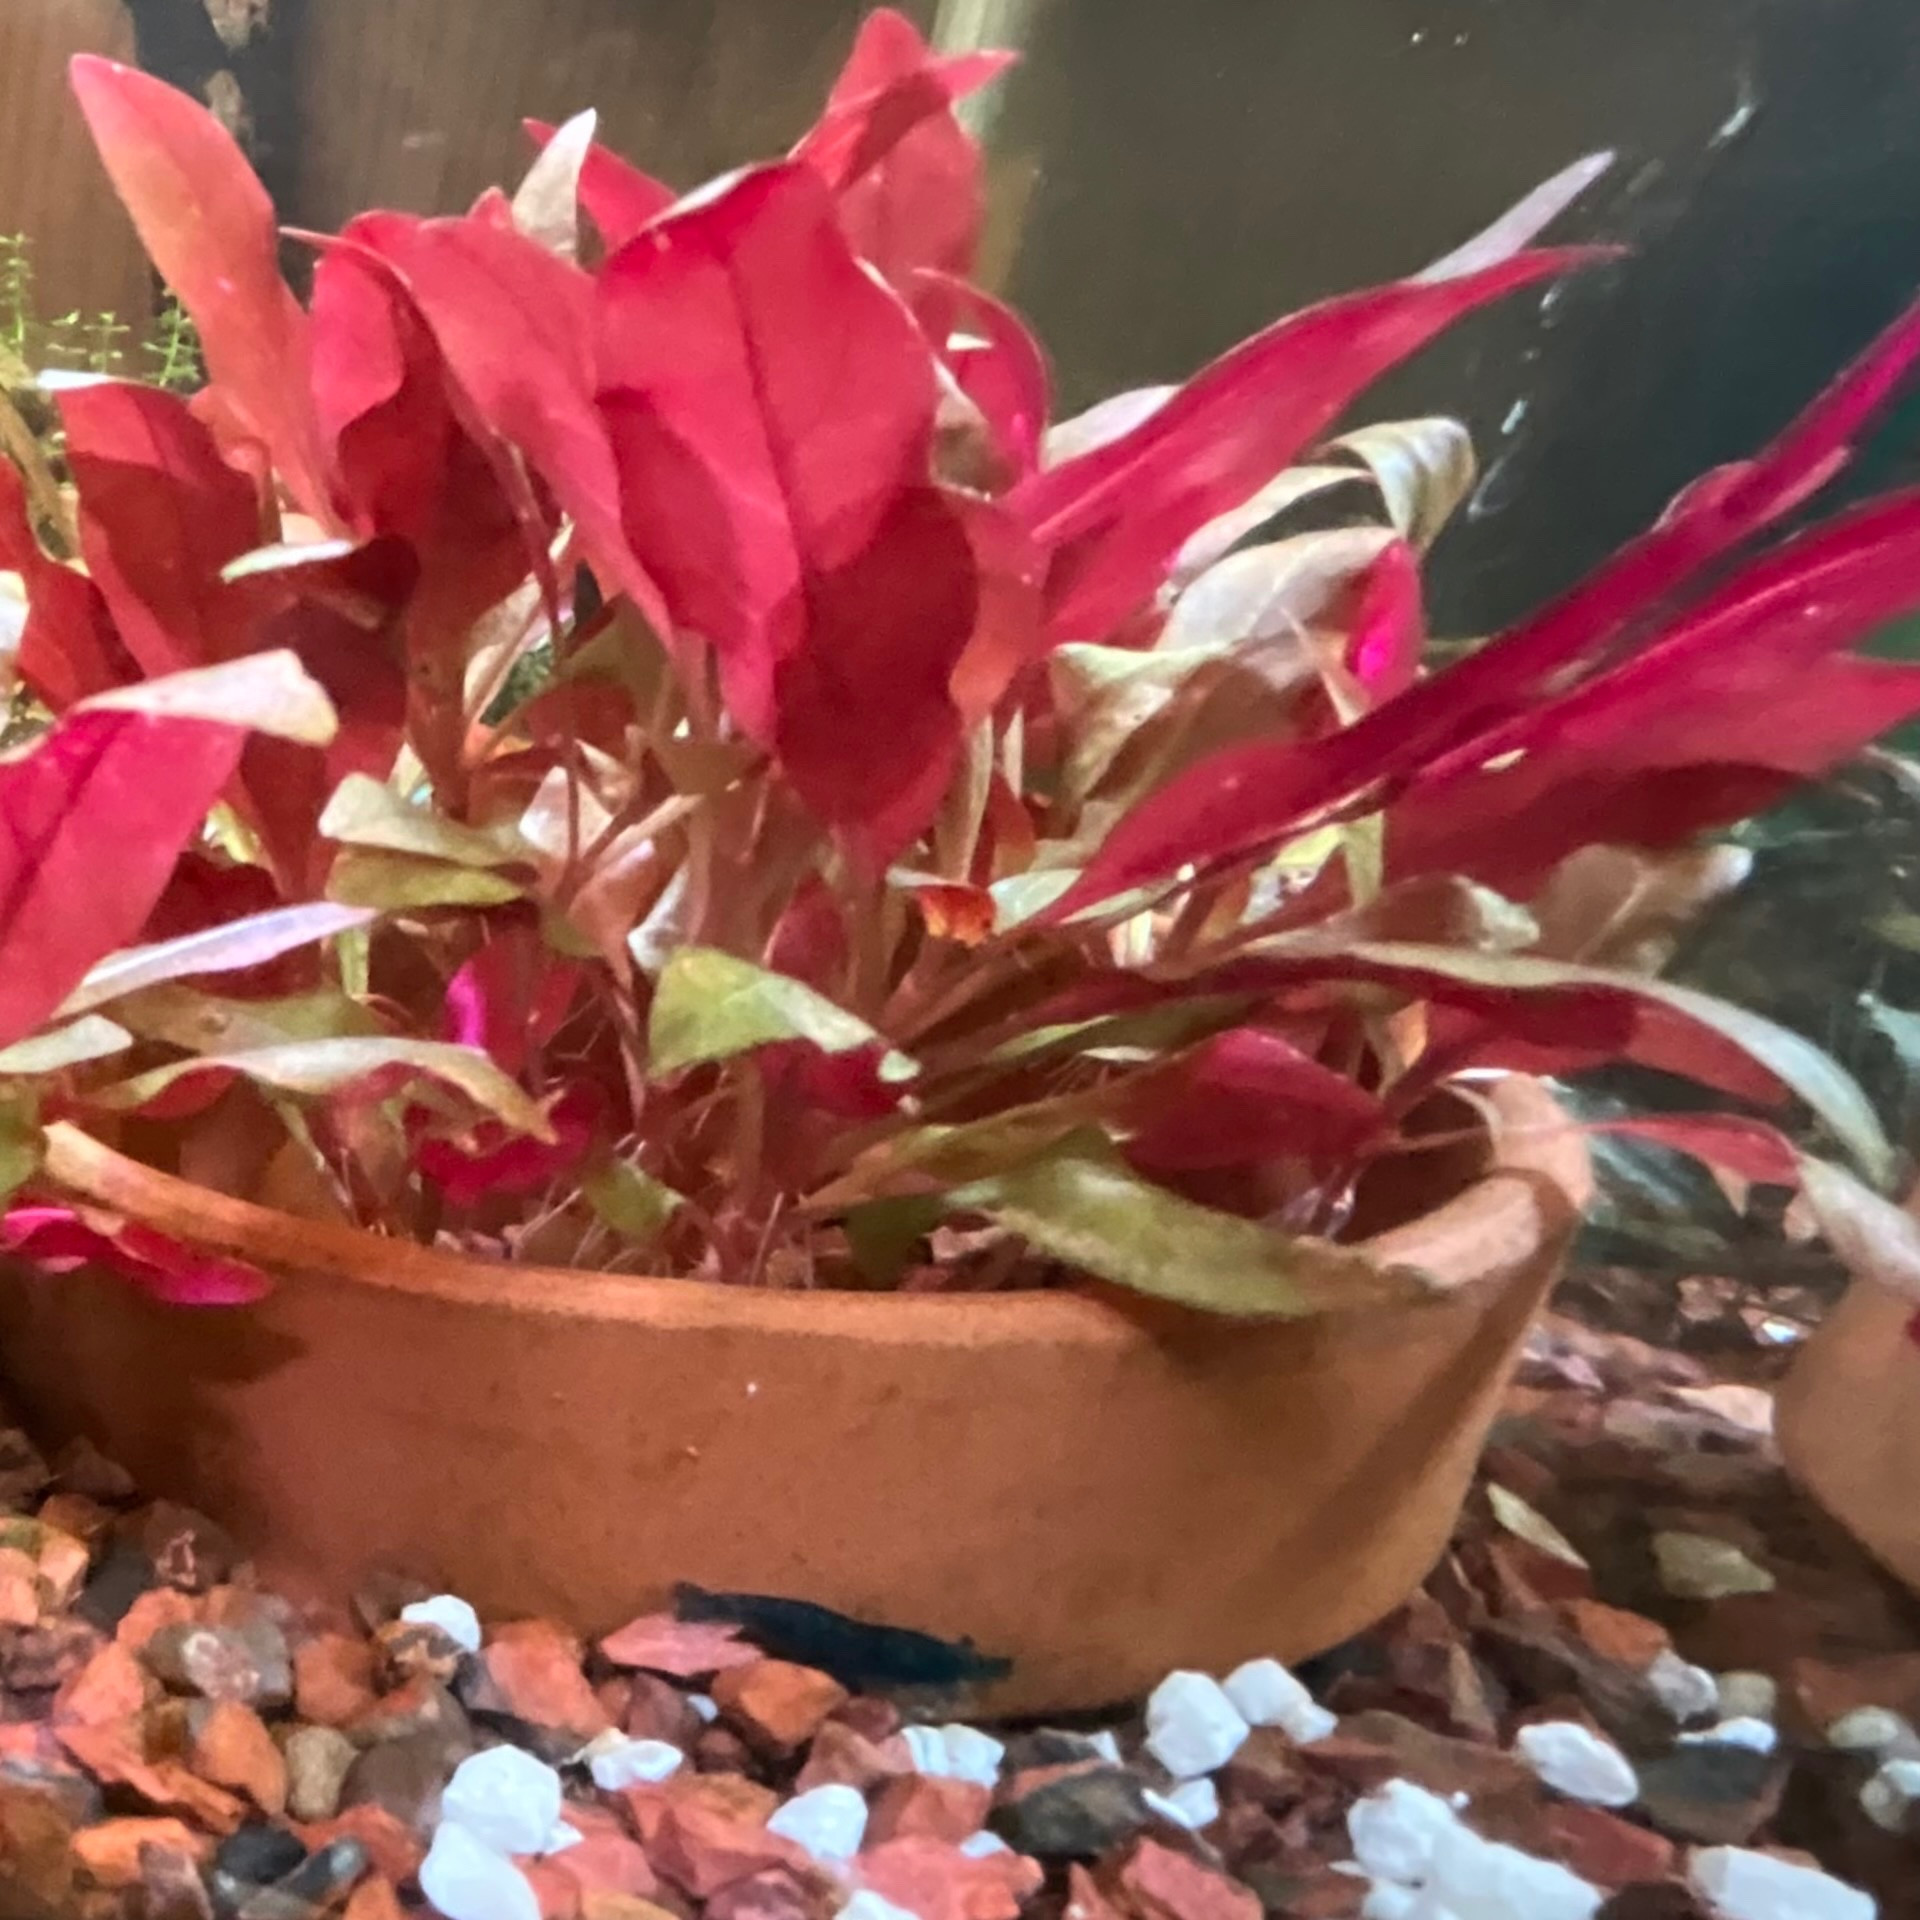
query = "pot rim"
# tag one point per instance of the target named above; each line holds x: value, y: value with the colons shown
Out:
x: 1534, y: 1189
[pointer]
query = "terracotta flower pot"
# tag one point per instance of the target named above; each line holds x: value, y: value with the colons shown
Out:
x: 1097, y: 1493
x: 1848, y: 1419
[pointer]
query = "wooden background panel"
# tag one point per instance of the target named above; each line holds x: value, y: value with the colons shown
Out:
x: 52, y: 188
x: 417, y: 104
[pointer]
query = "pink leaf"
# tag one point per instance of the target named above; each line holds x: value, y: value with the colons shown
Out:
x: 619, y: 198
x: 209, y: 226
x: 1114, y: 519
x: 1749, y: 1148
x: 511, y: 998
x: 59, y: 1240
x: 772, y: 413
x: 493, y: 1158
x: 92, y: 820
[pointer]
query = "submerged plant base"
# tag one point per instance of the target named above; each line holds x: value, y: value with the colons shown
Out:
x: 1097, y: 1491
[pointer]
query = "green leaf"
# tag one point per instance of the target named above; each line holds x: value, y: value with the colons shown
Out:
x: 631, y: 1201
x: 266, y: 692
x: 327, y: 1066
x: 1085, y: 1207
x: 226, y: 949
x: 882, y: 1234
x: 206, y: 1023
x: 89, y: 1038
x: 365, y: 812
x: 21, y: 1145
x: 710, y: 1006
x: 397, y: 882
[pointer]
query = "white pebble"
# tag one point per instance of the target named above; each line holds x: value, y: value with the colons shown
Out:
x: 827, y: 1822
x: 972, y: 1755
x: 451, y: 1615
x: 504, y: 1798
x: 1389, y: 1902
x: 1192, y: 1727
x: 1394, y: 1831
x: 1888, y: 1798
x: 1749, y: 1696
x: 1740, y: 1885
x: 867, y: 1905
x: 1868, y: 1730
x: 1761, y: 1736
x: 1686, y: 1691
x: 1193, y: 1804
x: 1477, y: 1879
x: 1265, y: 1694
x: 705, y: 1705
x: 618, y: 1762
x: 561, y: 1838
x: 925, y: 1749
x: 1106, y: 1743
x: 467, y: 1880
x: 983, y: 1845
x: 1579, y: 1764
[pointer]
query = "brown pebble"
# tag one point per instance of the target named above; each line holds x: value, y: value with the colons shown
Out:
x: 778, y: 1706
x: 232, y: 1747
x: 111, y: 1852
x: 333, y: 1679
x: 318, y: 1759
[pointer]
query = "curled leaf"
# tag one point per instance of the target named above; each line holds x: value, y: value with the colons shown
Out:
x: 365, y: 812
x: 1423, y: 468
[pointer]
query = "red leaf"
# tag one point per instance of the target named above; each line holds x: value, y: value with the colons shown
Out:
x: 511, y: 998
x: 161, y: 513
x: 994, y: 361
x: 1114, y: 519
x: 209, y: 226
x: 1247, y: 1097
x: 619, y: 198
x: 95, y: 817
x: 515, y: 325
x: 906, y: 174
x: 69, y: 649
x: 772, y: 413
x: 58, y: 1240
x: 495, y: 1159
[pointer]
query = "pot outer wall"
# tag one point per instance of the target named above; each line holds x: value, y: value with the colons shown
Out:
x: 1099, y: 1494
x: 1848, y: 1417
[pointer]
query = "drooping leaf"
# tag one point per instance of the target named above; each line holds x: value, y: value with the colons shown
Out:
x: 22, y: 1145
x: 993, y: 360
x: 234, y: 947
x: 366, y: 1065
x: 494, y: 1160
x: 94, y: 827
x: 1871, y: 1236
x: 61, y: 1240
x: 1084, y: 1207
x: 709, y: 1006
x: 209, y: 227
x: 1652, y: 1021
x: 1424, y: 470
x: 88, y: 1038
